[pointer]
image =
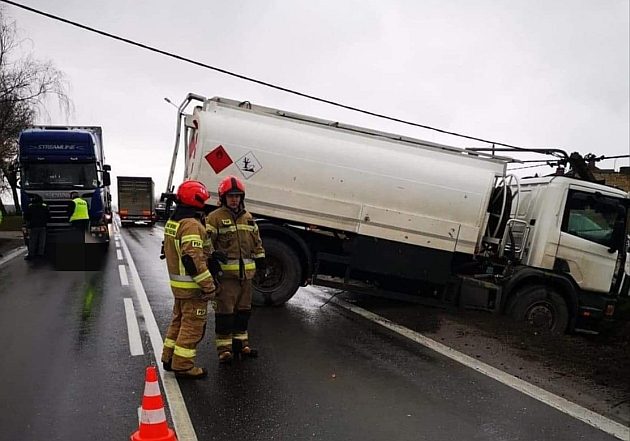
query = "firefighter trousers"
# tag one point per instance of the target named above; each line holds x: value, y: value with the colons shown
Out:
x: 232, y: 312
x: 186, y: 330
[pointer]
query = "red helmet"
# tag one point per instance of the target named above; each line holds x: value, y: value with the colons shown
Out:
x: 231, y: 185
x: 193, y: 194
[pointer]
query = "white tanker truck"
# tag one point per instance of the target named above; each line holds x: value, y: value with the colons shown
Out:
x: 353, y: 208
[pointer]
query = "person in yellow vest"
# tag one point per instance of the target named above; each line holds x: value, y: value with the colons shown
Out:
x: 187, y: 250
x: 234, y: 233
x: 78, y: 211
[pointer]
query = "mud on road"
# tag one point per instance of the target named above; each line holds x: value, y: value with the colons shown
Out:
x: 590, y: 370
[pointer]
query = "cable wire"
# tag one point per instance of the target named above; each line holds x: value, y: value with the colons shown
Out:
x: 531, y: 166
x: 250, y: 79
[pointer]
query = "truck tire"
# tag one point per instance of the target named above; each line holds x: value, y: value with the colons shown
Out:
x: 284, y: 275
x: 542, y: 307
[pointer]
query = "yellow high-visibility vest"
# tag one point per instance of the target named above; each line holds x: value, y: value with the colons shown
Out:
x: 80, y: 210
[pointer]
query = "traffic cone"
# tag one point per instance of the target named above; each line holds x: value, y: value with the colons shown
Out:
x: 153, y: 426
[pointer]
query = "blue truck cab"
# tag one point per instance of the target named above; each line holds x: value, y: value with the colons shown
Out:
x: 55, y: 161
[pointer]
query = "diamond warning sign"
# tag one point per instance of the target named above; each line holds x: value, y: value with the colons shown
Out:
x: 248, y: 165
x: 219, y: 159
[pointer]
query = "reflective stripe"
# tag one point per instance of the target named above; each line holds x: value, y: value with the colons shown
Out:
x: 194, y: 239
x: 240, y: 336
x: 169, y: 343
x: 223, y: 342
x: 233, y: 265
x: 190, y: 238
x: 185, y: 352
x: 156, y: 416
x: 179, y: 278
x: 210, y: 229
x: 240, y: 227
x: 259, y: 255
x: 185, y: 282
x: 182, y: 270
x: 203, y: 276
x: 229, y: 229
x: 184, y: 285
x: 152, y: 389
x: 207, y: 243
x: 178, y: 281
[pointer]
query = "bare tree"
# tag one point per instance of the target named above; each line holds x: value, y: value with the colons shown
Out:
x: 25, y: 86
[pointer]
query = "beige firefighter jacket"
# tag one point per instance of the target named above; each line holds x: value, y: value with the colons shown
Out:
x: 239, y: 238
x: 188, y: 237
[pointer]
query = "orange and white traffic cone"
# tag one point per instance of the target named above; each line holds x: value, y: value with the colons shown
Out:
x: 153, y: 426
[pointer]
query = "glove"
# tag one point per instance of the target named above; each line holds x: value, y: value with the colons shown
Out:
x: 215, y: 268
x: 261, y: 267
x: 214, y: 263
x: 220, y: 256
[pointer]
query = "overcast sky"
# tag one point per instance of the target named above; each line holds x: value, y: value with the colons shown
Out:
x: 537, y: 73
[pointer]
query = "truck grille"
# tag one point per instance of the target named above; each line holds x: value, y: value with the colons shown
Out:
x: 58, y: 222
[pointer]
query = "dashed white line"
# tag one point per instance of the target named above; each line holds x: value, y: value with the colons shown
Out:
x: 576, y: 411
x: 124, y: 281
x: 119, y: 254
x: 135, y: 342
x: 179, y: 412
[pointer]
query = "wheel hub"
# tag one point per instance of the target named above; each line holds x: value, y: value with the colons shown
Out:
x: 541, y: 316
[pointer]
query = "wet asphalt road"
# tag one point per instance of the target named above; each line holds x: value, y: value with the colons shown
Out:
x: 323, y: 373
x: 66, y: 370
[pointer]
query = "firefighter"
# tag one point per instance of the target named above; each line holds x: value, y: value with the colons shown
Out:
x: 234, y: 233
x: 186, y: 249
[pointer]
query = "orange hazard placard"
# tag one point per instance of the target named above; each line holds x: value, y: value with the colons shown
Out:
x: 219, y: 159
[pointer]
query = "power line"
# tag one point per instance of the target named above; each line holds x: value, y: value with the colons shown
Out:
x: 250, y: 79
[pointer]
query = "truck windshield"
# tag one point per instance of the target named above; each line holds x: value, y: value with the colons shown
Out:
x: 59, y: 176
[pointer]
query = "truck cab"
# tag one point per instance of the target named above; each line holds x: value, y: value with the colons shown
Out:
x: 55, y: 161
x: 568, y: 235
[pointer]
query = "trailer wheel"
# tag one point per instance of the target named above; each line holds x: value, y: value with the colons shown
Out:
x: 542, y: 308
x: 284, y: 272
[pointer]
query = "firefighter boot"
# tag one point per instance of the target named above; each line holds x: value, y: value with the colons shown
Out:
x: 241, y: 351
x: 226, y: 357
x: 192, y: 373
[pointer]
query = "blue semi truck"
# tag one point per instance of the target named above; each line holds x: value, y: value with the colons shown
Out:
x: 57, y: 160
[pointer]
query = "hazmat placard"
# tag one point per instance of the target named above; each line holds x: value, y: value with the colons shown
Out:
x: 248, y: 165
x: 218, y: 159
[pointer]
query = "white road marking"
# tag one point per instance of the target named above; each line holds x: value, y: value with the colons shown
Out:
x: 124, y: 281
x: 135, y: 341
x: 12, y: 255
x: 563, y: 405
x: 119, y: 254
x: 179, y: 412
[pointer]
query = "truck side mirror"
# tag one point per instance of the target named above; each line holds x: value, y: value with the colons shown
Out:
x: 106, y: 179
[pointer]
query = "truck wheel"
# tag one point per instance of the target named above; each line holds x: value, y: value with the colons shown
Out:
x: 284, y: 272
x: 542, y: 307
